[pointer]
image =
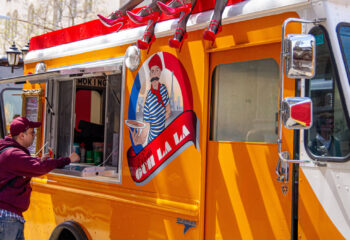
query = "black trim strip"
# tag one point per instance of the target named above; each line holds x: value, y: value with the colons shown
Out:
x: 295, y: 175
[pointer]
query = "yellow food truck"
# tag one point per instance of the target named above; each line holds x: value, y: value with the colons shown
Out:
x: 246, y: 137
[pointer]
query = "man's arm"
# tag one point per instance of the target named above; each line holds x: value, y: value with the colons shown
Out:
x: 21, y: 164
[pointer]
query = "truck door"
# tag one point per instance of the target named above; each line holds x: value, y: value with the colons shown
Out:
x: 243, y: 198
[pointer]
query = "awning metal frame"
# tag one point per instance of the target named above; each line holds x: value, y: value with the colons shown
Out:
x: 89, y: 69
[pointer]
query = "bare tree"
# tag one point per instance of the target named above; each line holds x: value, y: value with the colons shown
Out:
x: 44, y: 15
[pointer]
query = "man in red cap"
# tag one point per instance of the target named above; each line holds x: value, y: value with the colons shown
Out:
x: 17, y: 169
x: 157, y: 107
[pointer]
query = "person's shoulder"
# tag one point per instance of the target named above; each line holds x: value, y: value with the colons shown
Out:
x: 10, y: 154
x: 14, y: 151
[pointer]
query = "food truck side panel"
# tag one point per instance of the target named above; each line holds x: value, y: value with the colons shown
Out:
x: 158, y: 204
x: 172, y: 195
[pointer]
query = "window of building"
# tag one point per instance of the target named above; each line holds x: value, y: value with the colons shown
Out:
x: 329, y: 137
x: 245, y: 101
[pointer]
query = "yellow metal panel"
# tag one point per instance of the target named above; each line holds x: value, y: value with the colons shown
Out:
x: 244, y: 201
x: 128, y: 211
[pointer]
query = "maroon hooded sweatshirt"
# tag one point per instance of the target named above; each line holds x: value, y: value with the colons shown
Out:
x: 16, y: 163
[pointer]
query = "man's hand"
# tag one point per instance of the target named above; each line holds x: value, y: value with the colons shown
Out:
x: 74, y: 157
x: 45, y: 156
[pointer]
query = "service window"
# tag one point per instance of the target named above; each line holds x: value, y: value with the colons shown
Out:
x: 11, y: 104
x: 88, y: 123
x: 329, y: 137
x: 245, y: 101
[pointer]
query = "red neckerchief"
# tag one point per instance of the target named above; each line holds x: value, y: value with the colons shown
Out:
x: 157, y: 93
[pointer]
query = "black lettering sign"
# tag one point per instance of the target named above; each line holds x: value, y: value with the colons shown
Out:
x: 92, y: 82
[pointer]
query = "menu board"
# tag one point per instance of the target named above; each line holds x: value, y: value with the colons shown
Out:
x: 32, y: 107
x: 32, y: 111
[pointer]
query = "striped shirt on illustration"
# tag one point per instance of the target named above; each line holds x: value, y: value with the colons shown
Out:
x: 154, y: 112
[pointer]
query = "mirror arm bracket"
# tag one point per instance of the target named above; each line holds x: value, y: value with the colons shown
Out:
x: 282, y: 169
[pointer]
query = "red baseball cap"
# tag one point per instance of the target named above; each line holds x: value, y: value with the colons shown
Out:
x: 22, y: 124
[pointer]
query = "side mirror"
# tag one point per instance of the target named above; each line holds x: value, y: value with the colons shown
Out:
x: 300, y: 55
x: 296, y: 112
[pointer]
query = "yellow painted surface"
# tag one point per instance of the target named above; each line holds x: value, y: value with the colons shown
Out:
x: 106, y: 211
x: 228, y: 189
x: 244, y: 200
x: 128, y: 211
x: 41, y: 218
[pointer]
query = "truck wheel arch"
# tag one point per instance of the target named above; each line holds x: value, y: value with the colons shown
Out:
x: 68, y: 230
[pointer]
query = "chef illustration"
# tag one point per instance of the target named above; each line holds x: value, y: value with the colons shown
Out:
x: 157, y: 108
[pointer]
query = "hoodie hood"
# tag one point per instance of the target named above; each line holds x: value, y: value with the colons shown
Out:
x: 10, y: 142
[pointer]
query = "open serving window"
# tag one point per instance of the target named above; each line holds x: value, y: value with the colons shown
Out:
x: 84, y: 116
x: 81, y: 107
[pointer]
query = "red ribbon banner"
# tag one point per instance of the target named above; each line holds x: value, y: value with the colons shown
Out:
x: 178, y: 136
